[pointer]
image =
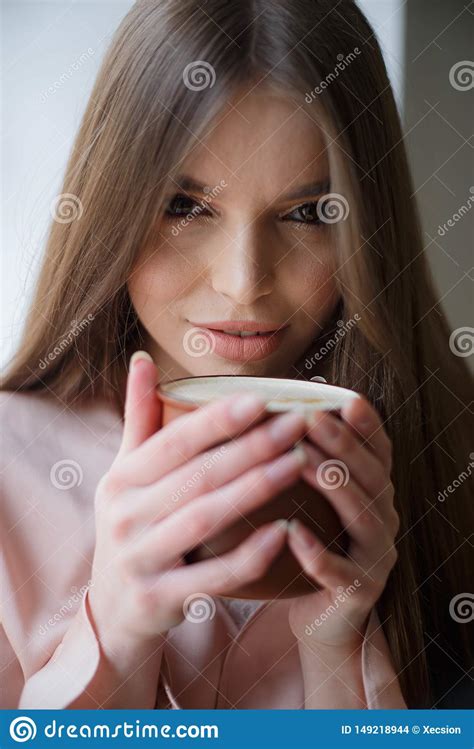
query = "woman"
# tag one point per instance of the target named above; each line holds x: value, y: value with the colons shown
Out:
x: 238, y: 162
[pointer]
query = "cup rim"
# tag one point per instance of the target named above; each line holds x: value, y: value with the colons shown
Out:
x: 337, y: 394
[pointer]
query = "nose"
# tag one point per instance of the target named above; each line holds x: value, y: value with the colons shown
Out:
x: 243, y: 270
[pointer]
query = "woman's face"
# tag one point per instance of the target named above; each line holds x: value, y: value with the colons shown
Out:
x: 241, y: 241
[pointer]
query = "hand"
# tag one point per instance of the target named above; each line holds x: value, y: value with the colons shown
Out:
x: 350, y: 465
x: 169, y: 490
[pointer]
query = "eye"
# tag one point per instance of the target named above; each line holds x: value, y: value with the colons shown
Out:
x: 311, y: 214
x: 183, y: 205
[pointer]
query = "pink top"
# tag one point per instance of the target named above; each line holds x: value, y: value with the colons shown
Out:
x: 52, y: 458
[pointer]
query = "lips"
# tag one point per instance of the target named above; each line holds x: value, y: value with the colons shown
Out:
x: 248, y: 348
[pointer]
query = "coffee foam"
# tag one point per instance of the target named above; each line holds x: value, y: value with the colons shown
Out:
x: 280, y: 394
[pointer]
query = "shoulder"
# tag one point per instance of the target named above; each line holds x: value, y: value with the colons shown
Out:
x: 33, y: 422
x: 52, y: 453
x: 52, y: 458
x: 26, y: 415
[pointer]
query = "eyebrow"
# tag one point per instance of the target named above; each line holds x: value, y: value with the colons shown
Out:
x: 312, y: 188
x: 187, y: 184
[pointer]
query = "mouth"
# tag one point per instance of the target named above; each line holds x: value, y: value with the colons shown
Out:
x: 243, y: 341
x: 241, y: 333
x: 241, y: 326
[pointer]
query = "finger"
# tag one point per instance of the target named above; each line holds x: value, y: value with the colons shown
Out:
x: 208, y: 471
x: 244, y: 564
x: 366, y: 422
x: 377, y: 494
x: 338, y: 441
x: 191, y: 587
x: 358, y: 514
x: 202, y: 519
x: 142, y: 413
x: 325, y: 567
x: 188, y: 435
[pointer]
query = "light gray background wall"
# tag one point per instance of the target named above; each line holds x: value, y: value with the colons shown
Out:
x: 438, y: 118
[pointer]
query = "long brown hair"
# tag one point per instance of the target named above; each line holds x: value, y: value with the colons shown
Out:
x: 142, y: 120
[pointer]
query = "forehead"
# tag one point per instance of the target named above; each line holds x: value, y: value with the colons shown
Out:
x: 262, y: 144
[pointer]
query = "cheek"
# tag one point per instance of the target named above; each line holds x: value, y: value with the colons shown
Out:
x: 158, y: 278
x: 314, y: 283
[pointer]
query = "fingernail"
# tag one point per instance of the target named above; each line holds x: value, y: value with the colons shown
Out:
x: 300, y: 454
x: 286, y: 463
x: 137, y: 356
x: 273, y: 532
x: 245, y: 407
x: 299, y: 532
x: 283, y: 428
x: 312, y: 417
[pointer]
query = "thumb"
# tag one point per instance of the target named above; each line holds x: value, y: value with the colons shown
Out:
x: 142, y: 416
